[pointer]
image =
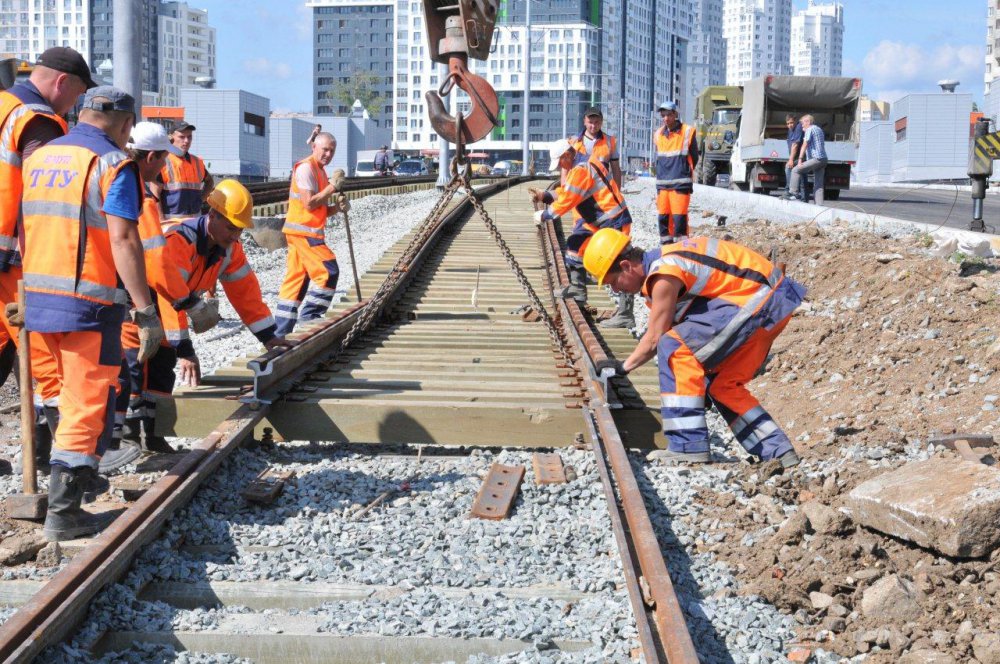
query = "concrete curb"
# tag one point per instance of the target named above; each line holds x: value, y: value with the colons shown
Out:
x: 777, y: 209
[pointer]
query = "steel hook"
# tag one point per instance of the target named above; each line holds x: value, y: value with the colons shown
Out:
x: 482, y: 117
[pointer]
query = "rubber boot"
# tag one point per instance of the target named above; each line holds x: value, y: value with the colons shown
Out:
x: 123, y: 450
x: 623, y: 316
x: 64, y: 519
x: 43, y: 441
x: 152, y: 442
x: 577, y: 288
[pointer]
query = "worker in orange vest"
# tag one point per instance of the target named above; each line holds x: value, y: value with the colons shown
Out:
x: 82, y: 258
x: 184, y: 181
x: 596, y: 202
x: 676, y: 157
x: 30, y: 116
x: 593, y: 143
x: 715, y: 309
x: 311, y: 276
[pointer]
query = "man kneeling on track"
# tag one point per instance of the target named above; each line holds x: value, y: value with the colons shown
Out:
x: 715, y: 309
x: 204, y: 250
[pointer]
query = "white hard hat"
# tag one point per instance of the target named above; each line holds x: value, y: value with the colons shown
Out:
x: 556, y: 150
x: 152, y: 137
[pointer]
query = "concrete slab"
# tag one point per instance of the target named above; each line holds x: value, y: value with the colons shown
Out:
x: 947, y: 505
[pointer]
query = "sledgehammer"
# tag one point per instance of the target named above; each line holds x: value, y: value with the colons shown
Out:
x: 338, y: 183
x: 30, y: 504
x: 971, y: 447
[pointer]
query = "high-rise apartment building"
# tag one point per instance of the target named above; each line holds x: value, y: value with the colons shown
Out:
x: 102, y: 40
x: 706, y: 61
x: 757, y: 38
x: 818, y: 40
x: 28, y: 27
x: 352, y: 43
x: 186, y: 50
x: 991, y: 98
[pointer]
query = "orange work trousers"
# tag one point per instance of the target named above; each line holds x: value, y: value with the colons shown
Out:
x: 310, y: 282
x: 672, y: 208
x: 88, y: 364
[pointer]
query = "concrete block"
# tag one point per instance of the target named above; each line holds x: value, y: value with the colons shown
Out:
x: 952, y: 507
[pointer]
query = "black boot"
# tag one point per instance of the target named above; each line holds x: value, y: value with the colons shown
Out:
x: 624, y: 315
x: 65, y: 520
x: 123, y: 450
x: 577, y: 288
x: 43, y: 441
x: 152, y: 442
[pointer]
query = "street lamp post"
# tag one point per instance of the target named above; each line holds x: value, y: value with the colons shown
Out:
x: 525, y: 150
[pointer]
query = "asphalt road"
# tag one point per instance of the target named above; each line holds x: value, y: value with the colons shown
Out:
x: 932, y: 206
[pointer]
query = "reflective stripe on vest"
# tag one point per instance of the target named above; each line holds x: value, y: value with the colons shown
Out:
x: 14, y: 117
x: 301, y: 220
x: 673, y: 159
x: 604, y: 147
x: 183, y: 183
x: 704, y: 264
x: 64, y: 191
x: 599, y: 202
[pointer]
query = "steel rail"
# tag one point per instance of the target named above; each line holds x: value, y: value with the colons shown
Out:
x: 266, y: 193
x: 673, y: 640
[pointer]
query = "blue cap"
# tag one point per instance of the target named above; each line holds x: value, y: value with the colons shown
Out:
x: 111, y: 99
x: 667, y: 106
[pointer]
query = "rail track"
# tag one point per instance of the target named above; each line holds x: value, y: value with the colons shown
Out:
x: 446, y: 356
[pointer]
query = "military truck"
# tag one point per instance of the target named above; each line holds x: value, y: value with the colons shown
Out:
x: 761, y: 151
x: 716, y: 111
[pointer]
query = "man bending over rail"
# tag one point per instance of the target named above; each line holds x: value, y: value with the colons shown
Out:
x: 715, y: 309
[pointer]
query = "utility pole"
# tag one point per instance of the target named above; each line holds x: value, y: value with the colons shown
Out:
x: 127, y: 53
x: 622, y: 144
x: 444, y: 147
x: 525, y: 150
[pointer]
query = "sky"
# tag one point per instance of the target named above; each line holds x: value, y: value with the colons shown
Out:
x: 895, y: 46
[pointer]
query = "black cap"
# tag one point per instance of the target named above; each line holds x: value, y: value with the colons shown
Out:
x: 183, y: 126
x: 593, y: 110
x: 66, y: 60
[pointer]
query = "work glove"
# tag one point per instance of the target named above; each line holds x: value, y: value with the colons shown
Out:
x: 150, y: 331
x: 15, y: 316
x: 620, y: 370
x: 204, y: 315
x: 538, y: 217
x: 343, y: 202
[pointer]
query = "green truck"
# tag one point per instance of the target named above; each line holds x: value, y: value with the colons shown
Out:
x: 717, y: 109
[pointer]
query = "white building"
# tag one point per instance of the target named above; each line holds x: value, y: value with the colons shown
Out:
x: 706, y: 61
x: 875, y: 152
x: 991, y: 98
x: 187, y: 49
x: 931, y: 137
x: 818, y: 40
x: 757, y: 38
x: 353, y: 133
x: 28, y: 27
x: 232, y: 135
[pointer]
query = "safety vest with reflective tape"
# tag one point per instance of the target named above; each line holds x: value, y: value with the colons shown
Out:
x: 674, y: 158
x: 301, y: 220
x: 69, y: 272
x: 183, y: 184
x: 202, y: 267
x: 16, y: 111
x: 590, y: 191
x: 605, y: 149
x: 728, y: 293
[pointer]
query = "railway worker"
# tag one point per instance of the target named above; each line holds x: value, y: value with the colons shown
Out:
x: 140, y: 382
x: 184, y: 181
x: 382, y: 160
x: 597, y: 203
x: 676, y: 158
x: 81, y: 253
x: 794, y: 141
x: 715, y: 309
x: 30, y: 117
x: 312, y: 272
x: 207, y: 250
x: 812, y: 159
x: 592, y: 143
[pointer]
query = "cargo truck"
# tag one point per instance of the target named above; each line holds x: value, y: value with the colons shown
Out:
x: 716, y: 111
x: 761, y: 151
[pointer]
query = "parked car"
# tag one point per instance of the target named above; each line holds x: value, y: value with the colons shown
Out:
x: 366, y: 169
x: 412, y: 167
x: 507, y: 168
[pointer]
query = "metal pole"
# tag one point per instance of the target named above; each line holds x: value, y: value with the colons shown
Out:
x: 621, y: 133
x: 525, y: 150
x: 444, y: 147
x: 127, y: 52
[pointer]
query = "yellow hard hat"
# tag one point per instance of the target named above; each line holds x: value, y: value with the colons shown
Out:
x: 601, y: 252
x: 233, y: 201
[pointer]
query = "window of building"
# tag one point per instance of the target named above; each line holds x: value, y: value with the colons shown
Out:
x: 253, y: 124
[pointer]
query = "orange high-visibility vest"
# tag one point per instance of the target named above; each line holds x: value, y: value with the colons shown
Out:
x: 605, y: 147
x: 674, y: 162
x: 301, y: 220
x: 591, y: 193
x: 69, y: 272
x: 183, y: 184
x: 14, y: 117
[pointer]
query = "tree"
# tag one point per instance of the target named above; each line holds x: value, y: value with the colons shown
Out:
x: 975, y: 107
x: 361, y: 86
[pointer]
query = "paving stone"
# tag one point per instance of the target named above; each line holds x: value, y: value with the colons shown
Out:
x: 950, y: 506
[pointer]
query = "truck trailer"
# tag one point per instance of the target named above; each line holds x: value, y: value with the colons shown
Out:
x: 761, y: 151
x: 717, y: 108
